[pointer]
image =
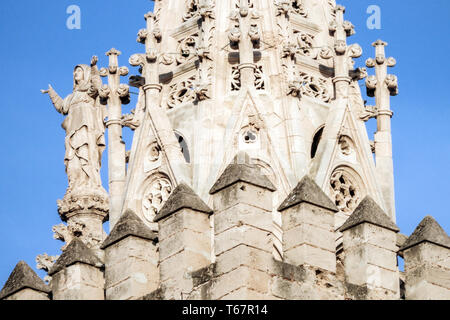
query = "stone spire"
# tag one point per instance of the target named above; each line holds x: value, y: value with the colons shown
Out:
x: 21, y: 278
x: 382, y: 86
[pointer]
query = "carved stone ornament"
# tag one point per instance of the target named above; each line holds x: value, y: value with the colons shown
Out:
x: 346, y: 145
x: 345, y: 190
x: 155, y: 152
x: 155, y: 196
x: 45, y: 262
x: 291, y: 6
x: 310, y: 86
x: 182, y: 92
x: 186, y: 49
x: 259, y: 78
x: 129, y: 120
x: 305, y: 44
x: 75, y: 229
x: 235, y: 79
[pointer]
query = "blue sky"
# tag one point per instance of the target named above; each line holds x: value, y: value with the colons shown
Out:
x: 38, y: 49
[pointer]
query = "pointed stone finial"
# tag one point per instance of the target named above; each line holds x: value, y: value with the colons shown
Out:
x: 368, y: 211
x: 428, y: 230
x: 183, y: 197
x: 341, y: 53
x: 129, y: 224
x: 240, y: 170
x: 23, y: 277
x: 77, y: 251
x: 308, y: 191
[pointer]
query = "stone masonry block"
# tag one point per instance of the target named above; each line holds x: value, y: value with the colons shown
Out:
x: 185, y: 240
x: 370, y: 234
x: 184, y: 219
x: 312, y: 256
x: 307, y: 213
x: 309, y: 234
x: 427, y: 253
x: 243, y: 255
x: 242, y: 277
x: 78, y: 282
x: 242, y: 192
x: 247, y: 235
x: 180, y: 264
x: 240, y: 214
x: 28, y: 294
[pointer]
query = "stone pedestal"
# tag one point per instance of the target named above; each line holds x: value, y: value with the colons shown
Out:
x: 131, y: 259
x: 370, y: 253
x: 427, y: 262
x: 184, y: 241
x: 242, y: 200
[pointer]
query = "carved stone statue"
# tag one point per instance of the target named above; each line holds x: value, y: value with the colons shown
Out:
x: 84, y: 142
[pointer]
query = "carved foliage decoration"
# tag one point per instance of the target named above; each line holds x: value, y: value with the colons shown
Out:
x: 156, y: 194
x: 235, y: 79
x: 182, y: 92
x: 305, y: 42
x: 259, y: 78
x: 192, y: 8
x: 186, y: 49
x: 291, y: 6
x: 204, y: 8
x: 310, y: 86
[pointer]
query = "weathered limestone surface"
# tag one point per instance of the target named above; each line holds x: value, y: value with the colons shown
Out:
x: 242, y: 233
x: 77, y: 274
x: 238, y: 101
x: 370, y: 252
x: 131, y: 259
x: 24, y: 284
x: 427, y: 262
x: 308, y: 227
x: 185, y: 241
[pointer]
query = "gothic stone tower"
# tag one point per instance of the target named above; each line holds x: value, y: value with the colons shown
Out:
x: 273, y: 79
x: 251, y: 174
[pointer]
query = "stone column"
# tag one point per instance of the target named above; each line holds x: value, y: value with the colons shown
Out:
x: 115, y: 93
x: 131, y: 259
x: 77, y: 274
x: 427, y: 262
x: 184, y: 241
x: 382, y: 86
x: 242, y: 199
x: 370, y: 253
x: 24, y: 284
x: 308, y: 227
